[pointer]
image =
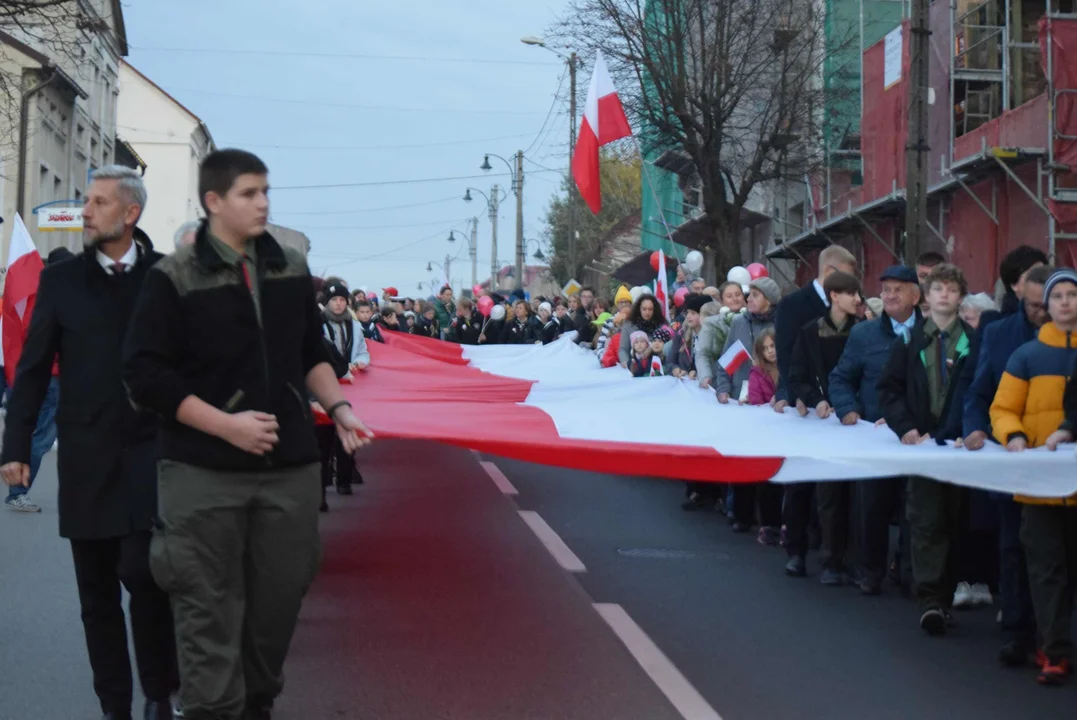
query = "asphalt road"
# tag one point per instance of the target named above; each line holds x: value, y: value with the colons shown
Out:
x: 436, y: 601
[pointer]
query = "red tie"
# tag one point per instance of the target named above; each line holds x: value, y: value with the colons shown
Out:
x: 118, y: 268
x: 246, y: 272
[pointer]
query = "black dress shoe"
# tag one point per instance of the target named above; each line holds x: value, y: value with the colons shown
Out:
x: 158, y: 710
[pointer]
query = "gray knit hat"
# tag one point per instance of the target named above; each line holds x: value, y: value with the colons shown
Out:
x: 1063, y: 275
x: 769, y: 288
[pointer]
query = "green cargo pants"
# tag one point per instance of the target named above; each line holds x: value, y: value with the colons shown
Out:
x: 938, y: 515
x: 236, y: 552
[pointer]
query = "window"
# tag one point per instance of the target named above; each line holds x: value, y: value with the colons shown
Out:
x: 43, y: 185
x: 57, y: 187
x: 105, y: 157
x: 78, y: 196
x: 80, y: 133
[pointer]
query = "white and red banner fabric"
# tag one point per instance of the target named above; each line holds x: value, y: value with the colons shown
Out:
x: 553, y: 404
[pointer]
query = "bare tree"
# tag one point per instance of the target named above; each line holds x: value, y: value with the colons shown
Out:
x: 58, y: 29
x: 735, y: 86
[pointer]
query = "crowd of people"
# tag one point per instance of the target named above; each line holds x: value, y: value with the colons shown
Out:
x: 925, y: 358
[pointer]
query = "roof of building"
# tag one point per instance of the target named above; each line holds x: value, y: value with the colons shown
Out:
x: 164, y: 92
x: 126, y: 147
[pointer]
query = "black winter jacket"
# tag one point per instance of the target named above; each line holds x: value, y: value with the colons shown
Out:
x: 195, y: 331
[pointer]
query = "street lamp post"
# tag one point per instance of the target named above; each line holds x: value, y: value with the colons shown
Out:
x: 517, y: 175
x: 573, y: 62
x: 472, y: 248
x: 493, y: 201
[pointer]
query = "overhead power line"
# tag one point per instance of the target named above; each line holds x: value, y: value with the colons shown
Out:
x: 357, y: 106
x: 366, y: 210
x: 356, y: 56
x: 549, y: 114
x: 399, y: 182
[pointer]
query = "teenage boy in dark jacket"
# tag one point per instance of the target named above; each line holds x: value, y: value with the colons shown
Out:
x: 916, y: 391
x: 816, y: 352
x: 224, y: 345
x: 364, y: 313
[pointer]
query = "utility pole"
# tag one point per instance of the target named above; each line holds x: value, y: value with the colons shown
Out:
x: 473, y: 250
x: 916, y: 148
x: 494, y: 201
x: 448, y: 272
x: 519, y: 219
x: 571, y: 152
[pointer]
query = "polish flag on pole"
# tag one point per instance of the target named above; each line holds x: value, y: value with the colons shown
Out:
x: 20, y: 291
x: 734, y: 357
x: 604, y: 121
x: 661, y: 286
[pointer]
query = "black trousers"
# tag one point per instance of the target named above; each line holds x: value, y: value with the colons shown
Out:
x: 1049, y: 535
x: 337, y: 465
x: 876, y: 503
x: 769, y: 496
x: 100, y: 568
x: 834, y: 500
x: 796, y: 512
x: 938, y: 517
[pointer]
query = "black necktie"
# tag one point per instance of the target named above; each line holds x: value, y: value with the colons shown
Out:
x: 943, y: 370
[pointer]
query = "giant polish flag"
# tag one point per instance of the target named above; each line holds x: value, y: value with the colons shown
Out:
x: 20, y: 290
x: 555, y: 405
x: 604, y: 121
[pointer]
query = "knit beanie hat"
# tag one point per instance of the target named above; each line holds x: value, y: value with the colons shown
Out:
x: 638, y: 335
x: 545, y: 306
x: 769, y: 288
x: 662, y: 334
x: 336, y: 290
x: 622, y: 295
x: 1062, y: 275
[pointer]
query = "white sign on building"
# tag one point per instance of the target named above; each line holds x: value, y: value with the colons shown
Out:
x: 60, y: 218
x: 892, y: 57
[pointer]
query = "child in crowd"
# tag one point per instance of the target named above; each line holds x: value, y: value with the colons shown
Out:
x: 639, y: 363
x: 763, y: 377
x: 1033, y: 407
x: 523, y: 329
x: 389, y: 318
x: 466, y: 325
x: 550, y: 327
x: 364, y: 313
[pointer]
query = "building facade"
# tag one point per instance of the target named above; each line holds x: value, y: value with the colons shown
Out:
x: 170, y: 141
x: 58, y: 115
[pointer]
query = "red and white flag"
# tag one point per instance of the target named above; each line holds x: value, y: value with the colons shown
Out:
x: 734, y: 357
x: 604, y: 121
x: 656, y: 366
x: 24, y: 267
x: 661, y: 286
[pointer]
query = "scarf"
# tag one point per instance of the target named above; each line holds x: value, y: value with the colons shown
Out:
x: 767, y: 317
x: 339, y: 333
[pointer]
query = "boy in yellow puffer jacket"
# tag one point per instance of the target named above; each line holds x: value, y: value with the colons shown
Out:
x: 1028, y: 412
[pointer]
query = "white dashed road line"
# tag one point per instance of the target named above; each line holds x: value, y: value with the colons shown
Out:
x: 498, y: 477
x: 553, y: 542
x: 685, y: 698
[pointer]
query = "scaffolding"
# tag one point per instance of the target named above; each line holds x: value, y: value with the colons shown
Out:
x: 994, y: 68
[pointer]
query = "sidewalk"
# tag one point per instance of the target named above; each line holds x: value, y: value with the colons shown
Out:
x: 436, y: 601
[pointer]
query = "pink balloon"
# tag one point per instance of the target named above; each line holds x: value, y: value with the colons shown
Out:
x: 758, y: 270
x: 477, y: 291
x: 679, y: 296
x: 486, y: 304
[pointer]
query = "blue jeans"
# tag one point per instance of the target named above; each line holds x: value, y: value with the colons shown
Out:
x: 44, y: 435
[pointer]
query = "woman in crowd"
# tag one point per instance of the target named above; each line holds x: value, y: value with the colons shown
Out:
x: 645, y: 316
x: 682, y: 358
x: 973, y: 306
x: 763, y: 299
x: 524, y: 328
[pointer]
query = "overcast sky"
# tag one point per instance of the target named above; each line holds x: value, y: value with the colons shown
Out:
x: 275, y: 77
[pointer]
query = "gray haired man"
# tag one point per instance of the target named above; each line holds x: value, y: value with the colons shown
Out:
x: 108, y: 450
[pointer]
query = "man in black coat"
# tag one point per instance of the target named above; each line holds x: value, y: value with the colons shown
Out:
x: 108, y: 450
x: 582, y: 318
x: 798, y: 309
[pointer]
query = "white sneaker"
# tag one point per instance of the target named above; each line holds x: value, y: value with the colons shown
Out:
x: 55, y: 444
x: 981, y: 595
x: 21, y: 503
x: 963, y: 595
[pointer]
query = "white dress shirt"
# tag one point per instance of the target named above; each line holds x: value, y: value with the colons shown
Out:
x: 129, y: 259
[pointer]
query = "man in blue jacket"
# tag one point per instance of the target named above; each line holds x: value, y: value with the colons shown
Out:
x: 998, y: 341
x: 854, y: 398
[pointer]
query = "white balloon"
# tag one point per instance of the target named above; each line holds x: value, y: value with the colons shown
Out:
x: 739, y: 275
x: 638, y: 292
x: 497, y: 312
x: 693, y: 261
